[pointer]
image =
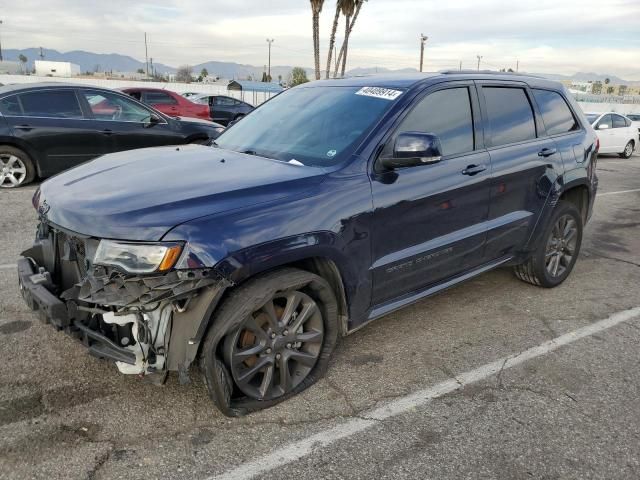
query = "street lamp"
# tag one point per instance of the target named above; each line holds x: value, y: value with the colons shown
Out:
x: 0, y: 45
x: 269, y: 41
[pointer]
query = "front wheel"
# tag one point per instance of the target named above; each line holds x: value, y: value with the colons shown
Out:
x: 558, y: 251
x: 271, y: 339
x: 628, y: 150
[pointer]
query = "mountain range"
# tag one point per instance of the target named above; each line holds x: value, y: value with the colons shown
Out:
x: 90, y: 62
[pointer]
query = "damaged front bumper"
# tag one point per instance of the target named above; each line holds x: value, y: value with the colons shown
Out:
x: 146, y: 324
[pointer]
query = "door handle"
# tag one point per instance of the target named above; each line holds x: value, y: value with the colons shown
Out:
x: 474, y: 169
x: 547, y: 152
x: 24, y: 127
x: 107, y: 131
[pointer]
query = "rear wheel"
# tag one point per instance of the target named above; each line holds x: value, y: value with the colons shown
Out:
x: 16, y: 167
x: 628, y: 150
x: 271, y: 339
x: 557, y: 253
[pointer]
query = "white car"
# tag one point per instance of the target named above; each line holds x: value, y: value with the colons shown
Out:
x: 635, y: 121
x: 615, y: 132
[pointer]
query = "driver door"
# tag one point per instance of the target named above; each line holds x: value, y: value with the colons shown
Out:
x: 429, y: 220
x: 126, y: 122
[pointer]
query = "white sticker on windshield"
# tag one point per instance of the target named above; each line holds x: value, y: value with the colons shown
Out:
x: 379, y: 92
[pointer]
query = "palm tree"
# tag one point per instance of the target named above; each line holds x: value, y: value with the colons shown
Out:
x: 351, y: 12
x: 23, y: 62
x: 316, y: 8
x: 334, y: 29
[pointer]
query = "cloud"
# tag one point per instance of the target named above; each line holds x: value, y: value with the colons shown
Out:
x: 561, y: 36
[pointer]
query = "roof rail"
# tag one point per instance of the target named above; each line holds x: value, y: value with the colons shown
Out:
x: 484, y: 72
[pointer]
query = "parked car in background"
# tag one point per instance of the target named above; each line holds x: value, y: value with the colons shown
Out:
x: 223, y: 109
x: 615, y: 132
x: 169, y: 103
x: 333, y: 204
x: 635, y: 120
x: 48, y: 127
x: 189, y: 94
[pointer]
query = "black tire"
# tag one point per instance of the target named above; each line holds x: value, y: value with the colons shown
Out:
x: 539, y: 268
x: 628, y: 150
x: 231, y: 317
x: 7, y: 153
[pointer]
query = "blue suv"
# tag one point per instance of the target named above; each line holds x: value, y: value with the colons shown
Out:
x: 331, y: 205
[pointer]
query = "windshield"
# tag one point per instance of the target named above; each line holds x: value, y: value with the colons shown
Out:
x: 634, y: 117
x: 592, y: 117
x: 318, y: 126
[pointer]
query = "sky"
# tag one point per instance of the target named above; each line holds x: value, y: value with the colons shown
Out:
x: 546, y: 36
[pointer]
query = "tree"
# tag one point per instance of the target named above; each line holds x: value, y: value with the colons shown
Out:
x: 334, y: 29
x: 606, y: 81
x: 610, y: 90
x: 622, y: 90
x: 184, y: 74
x: 342, y: 56
x: 297, y: 76
x: 204, y: 73
x: 23, y: 62
x: 596, y: 87
x: 316, y: 8
x: 140, y: 71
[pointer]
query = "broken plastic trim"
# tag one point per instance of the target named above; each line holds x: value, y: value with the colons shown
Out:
x: 108, y: 286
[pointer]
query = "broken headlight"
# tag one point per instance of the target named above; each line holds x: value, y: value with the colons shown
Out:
x: 138, y: 257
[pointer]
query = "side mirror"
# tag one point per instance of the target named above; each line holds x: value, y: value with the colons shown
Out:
x: 603, y: 126
x: 412, y: 149
x: 153, y: 120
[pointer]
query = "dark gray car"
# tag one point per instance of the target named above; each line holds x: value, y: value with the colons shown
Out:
x: 224, y: 109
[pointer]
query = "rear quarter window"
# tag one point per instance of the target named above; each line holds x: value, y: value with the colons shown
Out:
x: 556, y: 114
x: 509, y: 114
x: 10, y: 106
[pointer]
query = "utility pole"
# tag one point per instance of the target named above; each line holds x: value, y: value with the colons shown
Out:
x: 517, y: 65
x: 41, y: 54
x: 423, y: 39
x: 460, y: 65
x: 479, y: 58
x: 151, y: 66
x: 269, y: 41
x: 146, y: 55
x: 0, y: 45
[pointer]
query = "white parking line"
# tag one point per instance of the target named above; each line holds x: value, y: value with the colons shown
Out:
x: 301, y: 448
x: 8, y: 266
x: 619, y: 192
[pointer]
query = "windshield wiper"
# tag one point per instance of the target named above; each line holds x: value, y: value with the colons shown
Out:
x: 249, y: 152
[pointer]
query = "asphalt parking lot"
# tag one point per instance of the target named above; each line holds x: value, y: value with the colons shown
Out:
x: 437, y: 390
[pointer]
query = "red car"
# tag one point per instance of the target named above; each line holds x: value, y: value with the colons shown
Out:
x: 169, y: 103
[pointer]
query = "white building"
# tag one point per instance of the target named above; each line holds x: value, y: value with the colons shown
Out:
x: 10, y: 68
x: 45, y: 68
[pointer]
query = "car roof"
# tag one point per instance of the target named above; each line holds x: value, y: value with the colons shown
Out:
x: 408, y: 80
x: 147, y: 89
x: 21, y: 87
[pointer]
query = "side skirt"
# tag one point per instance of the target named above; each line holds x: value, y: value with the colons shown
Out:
x: 385, y: 308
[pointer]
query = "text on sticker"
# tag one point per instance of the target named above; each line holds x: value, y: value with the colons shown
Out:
x: 379, y: 92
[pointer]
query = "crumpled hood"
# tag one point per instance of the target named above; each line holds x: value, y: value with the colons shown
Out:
x: 141, y: 194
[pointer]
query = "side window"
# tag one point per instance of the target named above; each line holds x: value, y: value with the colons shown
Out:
x: 51, y: 103
x: 159, y: 98
x: 135, y: 94
x: 111, y: 106
x: 445, y: 113
x: 556, y: 114
x: 606, y: 120
x: 10, y: 106
x: 510, y: 115
x: 618, y: 121
x: 224, y: 101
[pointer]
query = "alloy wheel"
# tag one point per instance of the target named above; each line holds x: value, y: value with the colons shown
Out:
x: 276, y: 347
x: 628, y: 150
x: 561, y: 246
x: 13, y: 171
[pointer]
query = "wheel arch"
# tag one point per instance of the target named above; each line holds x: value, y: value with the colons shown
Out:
x: 21, y: 145
x: 579, y: 195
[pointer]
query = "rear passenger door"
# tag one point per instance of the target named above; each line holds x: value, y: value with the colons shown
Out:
x: 429, y: 220
x: 223, y: 109
x: 52, y: 123
x: 163, y: 102
x: 520, y: 157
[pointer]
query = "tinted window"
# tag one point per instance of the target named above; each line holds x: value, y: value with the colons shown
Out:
x: 224, y: 101
x: 606, y: 120
x: 635, y: 118
x: 556, y: 114
x: 618, y: 121
x: 510, y: 115
x: 10, y: 106
x: 51, y: 103
x: 159, y: 98
x: 110, y: 106
x: 136, y: 95
x: 445, y: 113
